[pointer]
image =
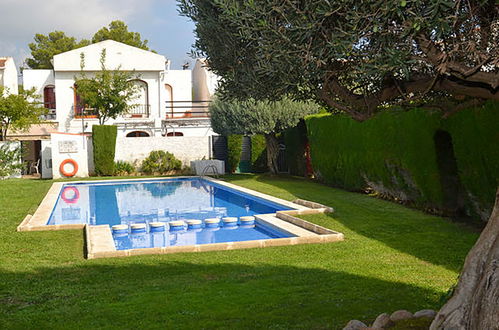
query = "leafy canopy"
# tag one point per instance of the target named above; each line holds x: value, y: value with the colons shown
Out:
x: 118, y: 31
x: 45, y: 47
x: 18, y: 111
x: 354, y: 56
x: 257, y: 117
x: 108, y: 92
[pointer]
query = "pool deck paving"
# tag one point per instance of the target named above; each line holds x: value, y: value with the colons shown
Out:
x: 100, y: 243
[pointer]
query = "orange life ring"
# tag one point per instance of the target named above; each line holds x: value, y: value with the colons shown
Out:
x: 73, y: 199
x: 70, y: 161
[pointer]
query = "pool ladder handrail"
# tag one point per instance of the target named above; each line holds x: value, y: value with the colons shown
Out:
x: 213, y: 169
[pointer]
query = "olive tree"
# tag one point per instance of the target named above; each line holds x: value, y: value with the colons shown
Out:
x: 259, y: 117
x: 358, y: 57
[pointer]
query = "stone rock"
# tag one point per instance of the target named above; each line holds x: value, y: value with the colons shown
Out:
x: 400, y: 315
x: 381, y: 321
x: 429, y: 313
x: 355, y: 325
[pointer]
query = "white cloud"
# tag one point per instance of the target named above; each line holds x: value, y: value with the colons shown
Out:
x: 20, y: 20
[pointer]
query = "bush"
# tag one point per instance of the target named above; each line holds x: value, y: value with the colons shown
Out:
x: 10, y: 160
x: 104, y: 143
x: 122, y: 168
x: 234, y: 149
x: 258, y: 154
x: 160, y: 162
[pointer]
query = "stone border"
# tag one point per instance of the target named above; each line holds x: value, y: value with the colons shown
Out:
x: 100, y: 243
x: 98, y: 246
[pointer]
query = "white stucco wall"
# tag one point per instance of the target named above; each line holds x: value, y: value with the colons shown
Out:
x: 38, y: 79
x: 204, y: 81
x: 82, y: 156
x: 8, y: 75
x: 126, y: 57
x: 184, y: 148
x: 181, y: 83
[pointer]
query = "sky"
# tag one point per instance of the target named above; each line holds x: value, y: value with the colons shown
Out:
x: 157, y: 21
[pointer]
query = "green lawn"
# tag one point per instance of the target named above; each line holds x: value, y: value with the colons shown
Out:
x: 392, y: 258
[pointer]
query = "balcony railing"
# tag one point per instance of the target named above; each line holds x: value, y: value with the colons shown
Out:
x: 138, y: 111
x: 187, y: 110
x: 50, y: 115
x: 84, y: 112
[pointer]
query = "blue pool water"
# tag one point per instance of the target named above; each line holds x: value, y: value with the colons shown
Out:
x: 129, y: 202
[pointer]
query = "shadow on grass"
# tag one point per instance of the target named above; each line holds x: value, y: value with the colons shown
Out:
x: 429, y: 238
x: 156, y: 294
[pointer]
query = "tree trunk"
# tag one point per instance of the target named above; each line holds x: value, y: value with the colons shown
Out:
x: 272, y: 152
x: 475, y: 302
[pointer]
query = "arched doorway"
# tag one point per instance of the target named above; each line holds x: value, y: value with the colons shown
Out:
x: 141, y: 107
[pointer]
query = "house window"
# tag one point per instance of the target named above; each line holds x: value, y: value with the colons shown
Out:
x: 174, y: 134
x: 138, y: 134
x: 49, y: 97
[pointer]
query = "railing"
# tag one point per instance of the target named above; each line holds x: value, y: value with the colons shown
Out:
x: 187, y: 110
x: 50, y: 115
x: 83, y: 112
x: 138, y: 111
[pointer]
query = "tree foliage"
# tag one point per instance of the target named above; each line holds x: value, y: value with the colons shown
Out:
x: 10, y: 160
x: 108, y: 92
x: 45, y: 47
x: 118, y: 31
x: 18, y: 111
x: 354, y: 56
x: 266, y: 117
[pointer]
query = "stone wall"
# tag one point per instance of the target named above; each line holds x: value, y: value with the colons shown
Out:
x: 185, y: 148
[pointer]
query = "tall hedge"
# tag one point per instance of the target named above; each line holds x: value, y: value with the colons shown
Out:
x: 475, y: 134
x: 234, y: 149
x: 258, y: 154
x: 295, y: 140
x: 394, y: 153
x: 104, y: 143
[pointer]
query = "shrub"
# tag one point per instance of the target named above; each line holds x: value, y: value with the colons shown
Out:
x: 234, y: 149
x: 258, y: 154
x: 160, y: 162
x: 122, y: 168
x: 10, y: 160
x: 104, y: 143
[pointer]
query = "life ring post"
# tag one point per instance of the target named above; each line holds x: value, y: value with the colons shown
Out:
x: 68, y: 161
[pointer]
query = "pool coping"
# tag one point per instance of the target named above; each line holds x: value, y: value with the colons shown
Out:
x: 100, y: 244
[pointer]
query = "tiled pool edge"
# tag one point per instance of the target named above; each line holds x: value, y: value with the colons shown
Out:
x: 100, y: 244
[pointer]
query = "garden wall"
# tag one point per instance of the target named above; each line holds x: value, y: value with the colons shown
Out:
x: 185, y: 148
x: 399, y: 154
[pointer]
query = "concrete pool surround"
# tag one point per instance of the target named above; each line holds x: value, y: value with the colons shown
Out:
x: 100, y: 242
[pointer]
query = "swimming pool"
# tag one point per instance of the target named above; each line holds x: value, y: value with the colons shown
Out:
x: 169, y: 215
x: 177, y: 199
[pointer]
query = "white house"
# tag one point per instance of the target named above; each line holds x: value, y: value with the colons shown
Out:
x: 8, y: 74
x: 163, y: 111
x: 163, y: 108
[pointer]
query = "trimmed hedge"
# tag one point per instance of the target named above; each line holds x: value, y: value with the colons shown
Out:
x: 258, y: 154
x: 295, y: 140
x: 475, y: 134
x: 394, y: 153
x: 234, y: 149
x: 104, y: 144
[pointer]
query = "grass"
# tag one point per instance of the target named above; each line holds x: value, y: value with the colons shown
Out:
x: 393, y: 258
